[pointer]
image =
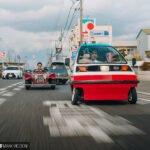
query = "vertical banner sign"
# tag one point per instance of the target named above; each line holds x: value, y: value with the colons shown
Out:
x: 88, y: 25
x: 3, y: 55
x: 74, y: 53
x: 58, y: 50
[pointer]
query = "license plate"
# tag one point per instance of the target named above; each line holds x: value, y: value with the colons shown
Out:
x: 40, y: 78
x: 10, y: 75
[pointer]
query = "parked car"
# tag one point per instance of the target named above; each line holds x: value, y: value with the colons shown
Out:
x: 60, y: 70
x: 39, y: 78
x: 12, y: 72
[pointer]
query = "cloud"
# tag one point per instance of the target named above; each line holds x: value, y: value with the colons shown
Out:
x: 28, y: 26
x: 27, y: 43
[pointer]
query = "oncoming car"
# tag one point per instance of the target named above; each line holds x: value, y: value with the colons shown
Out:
x: 12, y: 72
x: 100, y: 72
x: 39, y: 78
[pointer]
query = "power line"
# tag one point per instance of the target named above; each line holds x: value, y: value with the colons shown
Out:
x: 67, y: 21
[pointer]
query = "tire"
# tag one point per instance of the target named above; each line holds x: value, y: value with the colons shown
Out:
x: 132, y: 96
x: 27, y: 87
x: 53, y: 87
x: 75, y: 96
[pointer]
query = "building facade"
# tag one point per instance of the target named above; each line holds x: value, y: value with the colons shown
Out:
x: 92, y: 33
x: 143, y: 44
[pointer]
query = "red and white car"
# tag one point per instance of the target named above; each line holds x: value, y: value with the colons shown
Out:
x: 100, y: 72
x: 39, y: 78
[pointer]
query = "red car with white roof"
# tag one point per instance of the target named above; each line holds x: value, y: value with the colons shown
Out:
x: 100, y: 72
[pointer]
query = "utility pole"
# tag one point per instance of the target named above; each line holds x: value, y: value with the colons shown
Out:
x: 81, y: 18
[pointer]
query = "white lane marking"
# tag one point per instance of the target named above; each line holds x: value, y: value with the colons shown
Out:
x: 10, y: 86
x: 68, y: 120
x: 22, y: 86
x: 17, y: 89
x: 3, y: 89
x: 143, y: 99
x: 2, y: 100
x: 9, y: 94
x: 2, y: 92
x: 143, y: 93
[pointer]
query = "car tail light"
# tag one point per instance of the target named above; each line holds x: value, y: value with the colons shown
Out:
x: 124, y: 68
x: 27, y: 76
x: 52, y: 76
x: 82, y: 69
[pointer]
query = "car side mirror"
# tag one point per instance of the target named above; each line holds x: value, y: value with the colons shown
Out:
x: 67, y: 61
x: 133, y: 61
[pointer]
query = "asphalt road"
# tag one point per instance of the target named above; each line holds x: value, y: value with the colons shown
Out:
x: 46, y: 119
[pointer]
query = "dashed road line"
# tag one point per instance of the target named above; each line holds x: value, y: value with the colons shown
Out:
x: 2, y: 100
x: 9, y: 94
x: 10, y: 86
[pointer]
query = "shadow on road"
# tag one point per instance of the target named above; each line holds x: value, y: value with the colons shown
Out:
x: 104, y: 102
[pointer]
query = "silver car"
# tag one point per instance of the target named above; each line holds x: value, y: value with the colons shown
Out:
x: 60, y: 70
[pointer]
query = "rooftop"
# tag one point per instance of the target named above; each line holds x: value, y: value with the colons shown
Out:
x: 147, y: 31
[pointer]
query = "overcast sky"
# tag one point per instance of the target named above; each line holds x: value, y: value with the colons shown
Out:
x: 28, y: 27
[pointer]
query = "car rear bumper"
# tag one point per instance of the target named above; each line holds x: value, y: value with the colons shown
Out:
x: 40, y: 85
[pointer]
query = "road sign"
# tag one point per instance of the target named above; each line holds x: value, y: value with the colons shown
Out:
x: 58, y: 50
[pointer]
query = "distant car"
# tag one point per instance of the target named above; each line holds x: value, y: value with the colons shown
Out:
x: 60, y: 70
x: 12, y: 73
x: 39, y: 78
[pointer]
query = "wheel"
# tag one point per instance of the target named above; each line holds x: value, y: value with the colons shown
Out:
x: 3, y: 77
x: 27, y: 87
x: 132, y: 96
x: 75, y: 96
x: 53, y: 87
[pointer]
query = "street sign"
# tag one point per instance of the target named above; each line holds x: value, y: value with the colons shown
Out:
x: 58, y: 50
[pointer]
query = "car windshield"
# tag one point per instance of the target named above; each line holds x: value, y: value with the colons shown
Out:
x: 12, y: 68
x: 57, y: 66
x: 99, y: 54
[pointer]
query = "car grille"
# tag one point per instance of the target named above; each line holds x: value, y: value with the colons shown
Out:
x: 10, y: 75
x: 40, y: 78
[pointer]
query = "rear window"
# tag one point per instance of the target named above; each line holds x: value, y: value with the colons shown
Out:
x: 57, y: 65
x: 12, y: 68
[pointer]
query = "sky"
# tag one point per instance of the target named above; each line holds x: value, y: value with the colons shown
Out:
x: 29, y: 27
